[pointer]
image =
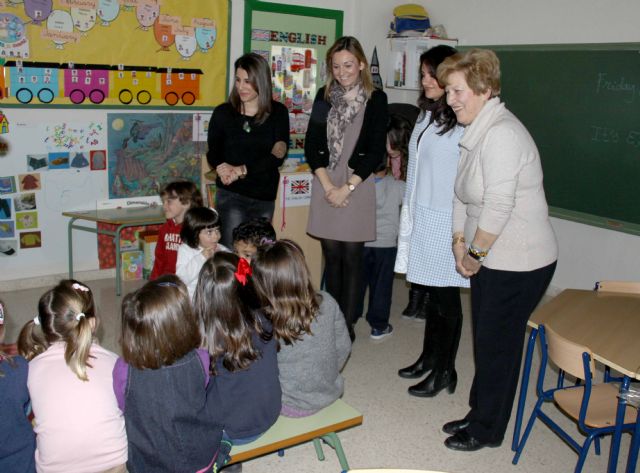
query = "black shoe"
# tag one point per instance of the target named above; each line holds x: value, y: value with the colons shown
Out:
x: 455, y: 426
x: 416, y: 370
x: 464, y: 442
x: 417, y: 294
x: 434, y: 383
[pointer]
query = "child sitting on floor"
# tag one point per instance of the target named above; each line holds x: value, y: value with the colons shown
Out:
x: 313, y: 335
x: 78, y: 424
x: 200, y: 235
x: 162, y: 383
x: 17, y: 440
x: 249, y: 235
x: 177, y: 198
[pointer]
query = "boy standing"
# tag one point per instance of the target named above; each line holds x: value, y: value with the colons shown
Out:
x: 177, y: 197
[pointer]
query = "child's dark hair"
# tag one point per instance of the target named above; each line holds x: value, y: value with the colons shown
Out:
x: 186, y: 191
x: 284, y: 288
x: 64, y: 315
x: 195, y: 220
x: 255, y: 231
x: 399, y: 133
x: 228, y: 312
x: 158, y: 324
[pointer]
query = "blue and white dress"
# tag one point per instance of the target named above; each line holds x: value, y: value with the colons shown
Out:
x: 424, y: 240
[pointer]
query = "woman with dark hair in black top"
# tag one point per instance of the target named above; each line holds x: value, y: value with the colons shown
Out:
x: 248, y: 140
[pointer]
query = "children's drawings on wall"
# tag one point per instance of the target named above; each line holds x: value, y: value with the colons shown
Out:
x: 7, y: 184
x: 74, y: 136
x: 29, y: 182
x: 69, y: 191
x: 30, y: 240
x: 146, y: 150
x: 24, y: 202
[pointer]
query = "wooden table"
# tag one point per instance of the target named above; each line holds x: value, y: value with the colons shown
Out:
x: 122, y: 217
x: 608, y: 323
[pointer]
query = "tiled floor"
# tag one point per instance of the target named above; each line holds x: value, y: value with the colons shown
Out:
x: 398, y: 430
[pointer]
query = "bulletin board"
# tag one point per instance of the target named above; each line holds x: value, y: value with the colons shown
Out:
x: 114, y: 52
x: 294, y: 40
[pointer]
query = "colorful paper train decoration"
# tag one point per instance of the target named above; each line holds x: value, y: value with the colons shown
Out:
x: 27, y: 81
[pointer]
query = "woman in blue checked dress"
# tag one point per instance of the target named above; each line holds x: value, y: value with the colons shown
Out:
x: 424, y: 242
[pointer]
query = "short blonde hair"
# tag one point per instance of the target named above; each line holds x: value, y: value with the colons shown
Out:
x: 481, y: 69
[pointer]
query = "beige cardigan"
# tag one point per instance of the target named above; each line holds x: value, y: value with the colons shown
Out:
x: 499, y: 189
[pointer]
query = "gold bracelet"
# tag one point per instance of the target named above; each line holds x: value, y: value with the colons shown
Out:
x: 458, y: 239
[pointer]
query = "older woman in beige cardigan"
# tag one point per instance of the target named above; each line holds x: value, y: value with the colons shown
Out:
x: 502, y: 240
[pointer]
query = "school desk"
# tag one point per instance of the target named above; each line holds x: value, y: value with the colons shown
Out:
x: 609, y: 324
x: 123, y: 218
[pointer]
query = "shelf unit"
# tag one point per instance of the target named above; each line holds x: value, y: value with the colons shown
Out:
x: 403, y: 66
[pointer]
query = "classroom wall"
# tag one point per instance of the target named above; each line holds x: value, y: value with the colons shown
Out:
x: 587, y: 253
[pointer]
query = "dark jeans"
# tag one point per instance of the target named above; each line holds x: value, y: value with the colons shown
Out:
x: 501, y: 303
x: 235, y: 209
x: 377, y: 275
x: 343, y: 274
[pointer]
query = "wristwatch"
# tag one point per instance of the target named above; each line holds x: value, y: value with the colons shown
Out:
x: 351, y: 187
x: 477, y: 254
x: 243, y: 172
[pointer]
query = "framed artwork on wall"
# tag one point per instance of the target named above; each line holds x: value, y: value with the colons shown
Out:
x: 294, y: 40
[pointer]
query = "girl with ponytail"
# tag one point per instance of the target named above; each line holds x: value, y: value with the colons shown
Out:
x: 76, y: 417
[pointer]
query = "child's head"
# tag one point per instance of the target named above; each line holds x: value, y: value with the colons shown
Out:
x: 249, y: 235
x: 158, y: 324
x: 398, y: 135
x: 201, y: 228
x: 66, y: 314
x: 178, y: 197
x: 225, y: 303
x: 283, y: 284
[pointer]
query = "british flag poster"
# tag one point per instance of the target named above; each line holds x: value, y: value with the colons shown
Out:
x: 296, y: 189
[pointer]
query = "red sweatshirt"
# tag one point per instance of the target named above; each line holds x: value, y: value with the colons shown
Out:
x: 166, y: 249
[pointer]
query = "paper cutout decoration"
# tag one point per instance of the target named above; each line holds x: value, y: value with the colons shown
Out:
x: 108, y: 10
x: 38, y: 10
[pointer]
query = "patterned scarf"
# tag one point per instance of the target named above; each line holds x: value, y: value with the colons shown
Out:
x: 345, y: 105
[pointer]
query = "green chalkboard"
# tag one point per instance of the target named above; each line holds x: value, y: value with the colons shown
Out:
x: 581, y: 104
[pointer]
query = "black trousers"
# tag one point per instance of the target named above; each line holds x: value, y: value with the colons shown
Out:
x: 501, y: 303
x: 343, y: 275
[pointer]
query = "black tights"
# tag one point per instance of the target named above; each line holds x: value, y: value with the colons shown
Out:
x: 343, y: 274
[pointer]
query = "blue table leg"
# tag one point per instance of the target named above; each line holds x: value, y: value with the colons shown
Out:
x: 635, y: 445
x: 116, y: 240
x: 70, y: 243
x: 524, y: 385
x: 617, y: 433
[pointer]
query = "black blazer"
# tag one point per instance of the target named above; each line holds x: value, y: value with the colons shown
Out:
x: 371, y: 147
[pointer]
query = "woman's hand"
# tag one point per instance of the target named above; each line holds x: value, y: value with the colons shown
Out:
x: 471, y: 265
x: 338, y: 196
x: 229, y: 173
x: 459, y: 253
x: 279, y: 149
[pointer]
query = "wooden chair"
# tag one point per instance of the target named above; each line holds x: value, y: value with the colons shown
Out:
x: 622, y: 287
x: 591, y: 406
x: 616, y: 287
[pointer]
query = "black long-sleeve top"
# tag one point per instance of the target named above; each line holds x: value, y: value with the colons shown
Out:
x: 230, y: 142
x: 370, y: 149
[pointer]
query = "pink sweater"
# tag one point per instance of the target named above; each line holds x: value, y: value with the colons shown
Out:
x: 78, y: 424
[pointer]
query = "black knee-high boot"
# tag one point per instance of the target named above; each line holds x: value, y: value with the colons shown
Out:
x: 417, y: 294
x: 427, y: 359
x: 443, y: 375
